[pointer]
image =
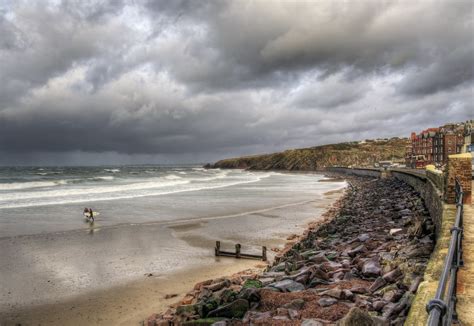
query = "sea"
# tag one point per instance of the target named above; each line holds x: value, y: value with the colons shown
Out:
x: 51, y: 199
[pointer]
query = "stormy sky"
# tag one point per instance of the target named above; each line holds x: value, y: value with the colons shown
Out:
x: 101, y: 82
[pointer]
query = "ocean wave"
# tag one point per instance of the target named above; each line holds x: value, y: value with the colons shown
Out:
x: 107, y: 177
x: 91, y: 190
x: 48, y: 173
x: 58, y: 194
x: 221, y: 175
x: 182, y: 172
x: 172, y: 177
x: 112, y: 170
x: 31, y: 184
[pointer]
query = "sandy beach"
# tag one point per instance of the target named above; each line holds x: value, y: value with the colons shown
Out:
x: 97, y: 284
x: 126, y: 304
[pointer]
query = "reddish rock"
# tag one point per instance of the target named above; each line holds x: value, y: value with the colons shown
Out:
x: 378, y: 283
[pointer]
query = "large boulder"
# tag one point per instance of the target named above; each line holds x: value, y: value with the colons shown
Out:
x: 371, y: 268
x: 326, y: 301
x: 334, y: 292
x: 236, y: 309
x: 357, y: 317
x: 287, y: 286
x: 249, y: 294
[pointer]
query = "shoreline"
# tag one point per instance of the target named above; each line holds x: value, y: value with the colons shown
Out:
x: 129, y: 303
x: 171, y: 223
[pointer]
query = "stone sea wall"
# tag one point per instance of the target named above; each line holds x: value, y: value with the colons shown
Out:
x: 376, y: 173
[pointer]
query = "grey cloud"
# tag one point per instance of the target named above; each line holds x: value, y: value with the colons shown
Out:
x: 455, y: 68
x: 185, y: 80
x: 256, y: 44
x: 331, y: 92
x: 48, y: 43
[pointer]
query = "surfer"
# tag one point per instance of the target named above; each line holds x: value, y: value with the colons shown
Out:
x: 89, y: 214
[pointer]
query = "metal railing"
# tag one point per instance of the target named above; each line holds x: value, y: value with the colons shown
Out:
x: 442, y: 309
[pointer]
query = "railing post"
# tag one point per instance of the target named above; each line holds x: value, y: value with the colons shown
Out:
x: 218, y: 248
x: 264, y: 253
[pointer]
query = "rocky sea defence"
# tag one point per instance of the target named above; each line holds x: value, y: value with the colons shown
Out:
x: 361, y: 266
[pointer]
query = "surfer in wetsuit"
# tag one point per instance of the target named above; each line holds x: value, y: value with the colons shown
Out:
x: 91, y: 215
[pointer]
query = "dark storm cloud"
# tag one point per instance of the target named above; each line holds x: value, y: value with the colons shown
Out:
x: 183, y: 80
x: 253, y: 42
x: 454, y: 68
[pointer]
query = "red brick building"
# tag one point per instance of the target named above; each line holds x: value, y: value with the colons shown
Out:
x: 433, y: 145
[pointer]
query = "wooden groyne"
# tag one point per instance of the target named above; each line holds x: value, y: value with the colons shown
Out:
x: 238, y: 253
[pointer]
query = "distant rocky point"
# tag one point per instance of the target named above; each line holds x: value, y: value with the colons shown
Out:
x: 363, y: 153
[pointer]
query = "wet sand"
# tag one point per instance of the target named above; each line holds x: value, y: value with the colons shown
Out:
x: 102, y: 273
x: 126, y: 304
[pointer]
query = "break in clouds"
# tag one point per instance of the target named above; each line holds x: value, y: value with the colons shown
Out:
x: 192, y: 81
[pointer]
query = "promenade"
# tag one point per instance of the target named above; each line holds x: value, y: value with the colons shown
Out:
x: 465, y: 285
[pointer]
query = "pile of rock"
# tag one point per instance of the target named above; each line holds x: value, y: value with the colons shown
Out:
x: 361, y: 268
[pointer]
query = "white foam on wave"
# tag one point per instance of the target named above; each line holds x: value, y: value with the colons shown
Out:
x: 112, y: 170
x: 121, y: 192
x: 220, y: 175
x: 172, y: 177
x: 107, y: 177
x: 31, y: 184
x: 84, y: 190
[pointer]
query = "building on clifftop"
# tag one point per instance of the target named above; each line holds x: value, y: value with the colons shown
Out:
x: 433, y: 145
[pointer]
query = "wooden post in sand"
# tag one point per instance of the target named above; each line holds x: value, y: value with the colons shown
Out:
x: 218, y: 248
x: 264, y: 253
x: 237, y: 250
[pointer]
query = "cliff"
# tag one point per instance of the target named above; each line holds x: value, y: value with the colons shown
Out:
x: 364, y: 153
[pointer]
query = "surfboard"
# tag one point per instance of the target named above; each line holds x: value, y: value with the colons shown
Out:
x: 89, y: 214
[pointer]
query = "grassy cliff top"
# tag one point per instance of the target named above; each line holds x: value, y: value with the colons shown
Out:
x: 364, y: 153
